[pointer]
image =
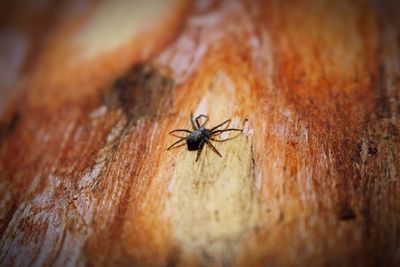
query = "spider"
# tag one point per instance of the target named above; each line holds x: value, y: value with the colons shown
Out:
x: 201, y: 135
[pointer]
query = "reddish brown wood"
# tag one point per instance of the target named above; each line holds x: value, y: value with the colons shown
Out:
x: 85, y: 177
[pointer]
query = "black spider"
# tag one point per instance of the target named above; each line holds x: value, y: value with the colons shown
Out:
x: 201, y: 135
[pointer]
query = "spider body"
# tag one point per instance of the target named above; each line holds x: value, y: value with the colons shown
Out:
x: 196, y: 139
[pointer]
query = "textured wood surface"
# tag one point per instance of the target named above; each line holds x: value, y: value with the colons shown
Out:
x: 85, y: 177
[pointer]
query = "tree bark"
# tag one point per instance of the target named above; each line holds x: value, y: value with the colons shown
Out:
x: 86, y: 179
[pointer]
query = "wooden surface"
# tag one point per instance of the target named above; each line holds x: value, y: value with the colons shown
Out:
x: 85, y: 177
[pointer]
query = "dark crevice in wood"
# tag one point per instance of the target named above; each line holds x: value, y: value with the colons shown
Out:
x: 142, y: 92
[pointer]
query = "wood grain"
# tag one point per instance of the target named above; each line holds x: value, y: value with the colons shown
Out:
x: 86, y: 179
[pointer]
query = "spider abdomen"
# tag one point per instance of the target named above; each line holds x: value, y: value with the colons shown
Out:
x: 195, y: 139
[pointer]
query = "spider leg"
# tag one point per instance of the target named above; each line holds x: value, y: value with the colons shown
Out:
x: 183, y: 144
x: 223, y: 140
x: 177, y: 142
x: 204, y: 123
x: 212, y: 147
x: 199, y: 150
x: 179, y: 130
x: 219, y: 125
x: 217, y: 132
x: 192, y: 121
x: 175, y: 135
x: 225, y: 130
